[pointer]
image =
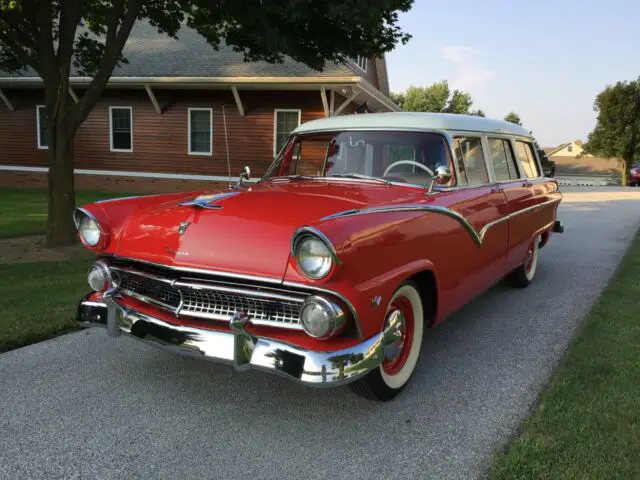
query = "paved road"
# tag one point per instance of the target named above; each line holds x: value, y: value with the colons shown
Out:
x: 85, y: 406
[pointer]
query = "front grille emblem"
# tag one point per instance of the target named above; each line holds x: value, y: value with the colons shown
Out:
x: 183, y: 227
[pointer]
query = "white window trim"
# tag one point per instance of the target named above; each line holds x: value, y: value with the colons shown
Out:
x: 210, y: 110
x: 40, y: 146
x: 111, y: 109
x: 275, y: 124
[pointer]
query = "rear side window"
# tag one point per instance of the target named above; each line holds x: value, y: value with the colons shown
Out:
x: 504, y: 165
x: 470, y: 158
x: 527, y: 158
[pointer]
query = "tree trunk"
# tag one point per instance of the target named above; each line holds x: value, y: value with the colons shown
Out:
x: 60, y: 227
x: 624, y: 180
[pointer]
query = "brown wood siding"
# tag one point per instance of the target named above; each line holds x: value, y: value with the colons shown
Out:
x: 372, y: 73
x: 160, y: 140
x: 18, y: 133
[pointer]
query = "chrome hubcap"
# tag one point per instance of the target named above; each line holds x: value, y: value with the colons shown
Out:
x: 397, y: 331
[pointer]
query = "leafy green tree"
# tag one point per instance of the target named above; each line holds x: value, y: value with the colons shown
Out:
x: 478, y: 113
x: 397, y: 98
x: 617, y: 130
x: 437, y: 97
x: 51, y: 36
x: 513, y: 117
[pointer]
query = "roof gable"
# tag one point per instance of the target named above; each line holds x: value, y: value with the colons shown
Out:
x: 151, y: 54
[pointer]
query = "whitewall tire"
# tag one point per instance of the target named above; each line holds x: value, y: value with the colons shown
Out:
x: 522, y: 276
x: 389, y: 378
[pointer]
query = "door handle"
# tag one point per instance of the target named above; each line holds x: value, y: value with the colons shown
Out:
x: 497, y: 190
x: 527, y: 184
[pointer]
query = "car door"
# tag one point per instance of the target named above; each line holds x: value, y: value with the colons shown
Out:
x: 508, y: 179
x: 482, y: 205
x: 524, y: 194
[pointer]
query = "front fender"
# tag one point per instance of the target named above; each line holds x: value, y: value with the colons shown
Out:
x: 377, y: 253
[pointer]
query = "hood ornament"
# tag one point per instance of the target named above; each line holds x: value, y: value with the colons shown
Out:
x: 206, y: 201
x: 183, y: 227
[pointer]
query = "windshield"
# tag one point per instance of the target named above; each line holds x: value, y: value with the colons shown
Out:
x: 408, y: 157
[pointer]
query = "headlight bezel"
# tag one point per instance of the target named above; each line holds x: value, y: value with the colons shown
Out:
x: 305, y: 234
x: 80, y: 215
x: 336, y: 321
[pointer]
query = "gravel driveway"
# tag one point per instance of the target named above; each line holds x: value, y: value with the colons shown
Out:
x: 86, y: 406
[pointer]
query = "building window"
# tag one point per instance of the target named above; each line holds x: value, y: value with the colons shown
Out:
x: 121, y: 129
x: 284, y: 122
x: 41, y: 117
x: 570, y: 148
x: 361, y: 62
x: 200, y: 131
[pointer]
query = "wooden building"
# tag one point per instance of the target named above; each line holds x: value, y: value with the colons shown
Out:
x: 169, y: 116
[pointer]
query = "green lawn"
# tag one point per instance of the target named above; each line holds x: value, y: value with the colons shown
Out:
x: 587, y: 423
x: 23, y: 211
x: 39, y: 300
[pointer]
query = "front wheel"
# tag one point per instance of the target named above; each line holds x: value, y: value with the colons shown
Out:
x: 390, y: 378
x: 523, y: 275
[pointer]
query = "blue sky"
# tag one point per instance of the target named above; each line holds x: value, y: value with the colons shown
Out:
x: 546, y: 60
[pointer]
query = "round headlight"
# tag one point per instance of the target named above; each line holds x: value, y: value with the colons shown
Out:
x: 89, y: 230
x: 321, y: 318
x: 314, y: 257
x: 99, y: 277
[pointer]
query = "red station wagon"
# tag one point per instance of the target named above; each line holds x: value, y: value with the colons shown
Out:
x: 365, y: 231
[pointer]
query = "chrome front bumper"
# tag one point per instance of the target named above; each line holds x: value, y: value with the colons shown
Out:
x: 241, y: 349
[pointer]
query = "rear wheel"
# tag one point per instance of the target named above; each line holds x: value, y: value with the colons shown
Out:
x: 523, y: 275
x: 390, y: 378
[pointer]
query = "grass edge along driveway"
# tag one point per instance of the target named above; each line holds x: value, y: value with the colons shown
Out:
x: 587, y: 422
x: 39, y: 300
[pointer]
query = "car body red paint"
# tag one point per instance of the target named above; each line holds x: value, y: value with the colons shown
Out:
x: 382, y: 233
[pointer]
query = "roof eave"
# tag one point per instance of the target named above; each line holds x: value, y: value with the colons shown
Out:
x: 378, y: 95
x: 192, y: 81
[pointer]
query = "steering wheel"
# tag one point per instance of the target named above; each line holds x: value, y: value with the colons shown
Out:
x: 408, y: 162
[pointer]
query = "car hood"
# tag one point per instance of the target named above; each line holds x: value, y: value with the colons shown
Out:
x: 247, y: 231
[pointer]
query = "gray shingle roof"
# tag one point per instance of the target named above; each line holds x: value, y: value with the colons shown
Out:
x: 151, y: 54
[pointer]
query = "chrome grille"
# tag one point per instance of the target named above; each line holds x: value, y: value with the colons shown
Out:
x: 156, y: 291
x: 212, y: 300
x: 223, y: 305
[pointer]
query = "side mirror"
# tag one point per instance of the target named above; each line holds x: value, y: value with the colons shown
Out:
x: 245, y: 175
x: 442, y: 177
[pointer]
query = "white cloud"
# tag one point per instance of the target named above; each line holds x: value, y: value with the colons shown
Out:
x: 469, y: 70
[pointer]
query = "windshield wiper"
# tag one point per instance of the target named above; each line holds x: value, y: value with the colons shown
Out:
x: 291, y: 177
x: 360, y: 177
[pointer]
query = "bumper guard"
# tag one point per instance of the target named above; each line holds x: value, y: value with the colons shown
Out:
x: 241, y: 349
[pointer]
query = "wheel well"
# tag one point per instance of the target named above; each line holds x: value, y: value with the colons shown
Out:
x: 426, y: 283
x: 544, y: 239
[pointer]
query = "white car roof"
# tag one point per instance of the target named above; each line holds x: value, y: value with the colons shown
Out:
x: 412, y: 121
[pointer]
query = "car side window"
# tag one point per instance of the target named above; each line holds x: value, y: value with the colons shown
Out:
x: 470, y: 159
x: 504, y: 165
x: 527, y: 158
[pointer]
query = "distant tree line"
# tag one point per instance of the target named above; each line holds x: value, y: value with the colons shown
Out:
x: 439, y: 97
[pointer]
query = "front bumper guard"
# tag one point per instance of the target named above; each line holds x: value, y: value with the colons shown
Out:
x: 241, y: 349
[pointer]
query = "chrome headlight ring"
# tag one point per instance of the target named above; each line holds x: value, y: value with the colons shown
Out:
x: 91, y: 232
x: 314, y: 253
x: 99, y: 277
x: 321, y: 318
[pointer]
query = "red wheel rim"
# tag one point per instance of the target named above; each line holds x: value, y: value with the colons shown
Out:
x: 392, y: 367
x: 528, y: 264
